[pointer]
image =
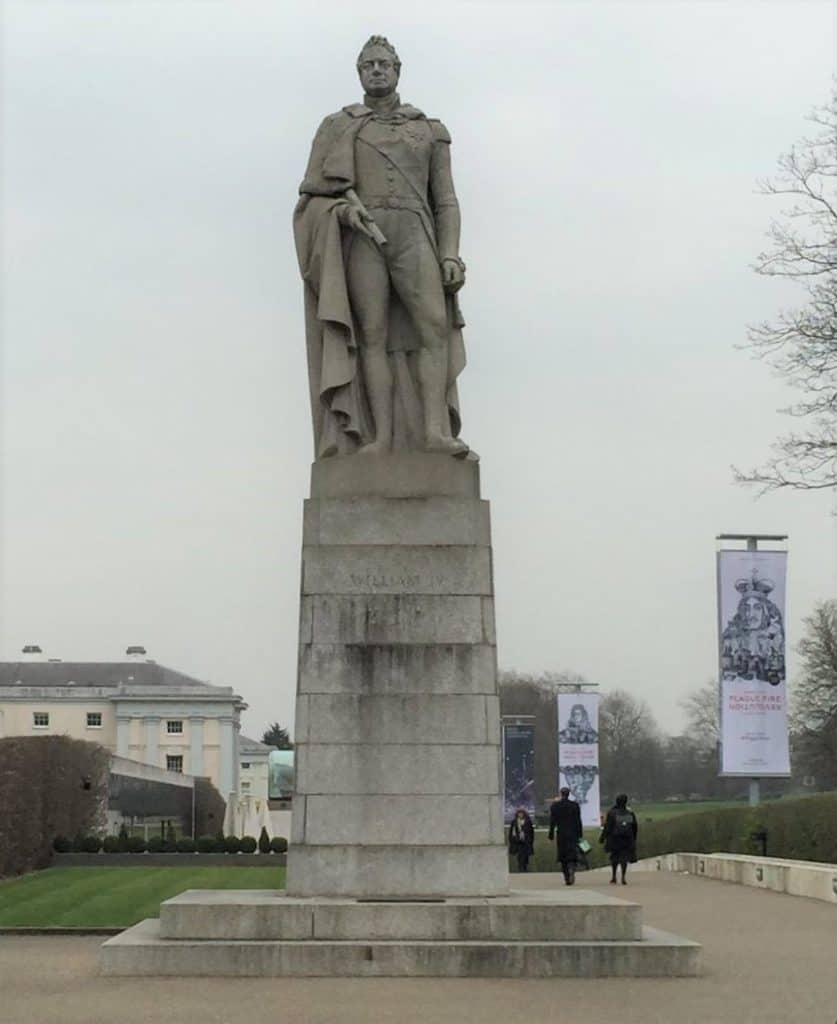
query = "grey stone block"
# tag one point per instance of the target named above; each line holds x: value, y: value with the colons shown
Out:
x: 397, y: 871
x: 387, y: 569
x: 404, y: 475
x: 141, y: 951
x: 398, y: 718
x: 398, y: 619
x: 522, y: 916
x: 401, y: 521
x: 433, y: 769
x: 397, y: 668
x: 407, y: 820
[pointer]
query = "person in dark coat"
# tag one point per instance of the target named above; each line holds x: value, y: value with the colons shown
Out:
x: 522, y: 838
x: 565, y: 820
x: 619, y: 837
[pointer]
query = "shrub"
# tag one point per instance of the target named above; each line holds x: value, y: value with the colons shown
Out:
x: 207, y: 844
x: 171, y: 837
x: 78, y: 843
x: 278, y: 844
x: 49, y: 786
x: 210, y: 808
x: 123, y: 837
x: 264, y: 841
x: 112, y: 844
x: 61, y: 844
x: 91, y: 844
x: 136, y: 844
x: 156, y: 844
x: 232, y: 844
x: 248, y: 844
x: 186, y: 845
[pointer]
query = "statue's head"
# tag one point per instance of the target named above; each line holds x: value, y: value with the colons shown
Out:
x: 378, y: 67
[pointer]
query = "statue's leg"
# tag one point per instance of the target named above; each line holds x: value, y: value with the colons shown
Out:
x: 368, y: 282
x: 418, y: 280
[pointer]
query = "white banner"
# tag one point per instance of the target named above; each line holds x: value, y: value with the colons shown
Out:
x: 578, y: 751
x: 751, y: 613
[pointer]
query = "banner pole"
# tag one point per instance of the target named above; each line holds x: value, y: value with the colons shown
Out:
x: 755, y: 784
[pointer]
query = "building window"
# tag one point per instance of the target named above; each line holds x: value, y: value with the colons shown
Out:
x: 245, y: 787
x: 94, y: 719
x: 40, y: 719
x: 174, y: 763
x: 245, y: 764
x: 174, y: 727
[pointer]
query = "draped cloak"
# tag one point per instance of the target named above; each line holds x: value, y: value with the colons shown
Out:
x: 340, y: 409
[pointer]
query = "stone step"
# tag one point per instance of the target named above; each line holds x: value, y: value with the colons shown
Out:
x: 527, y: 916
x: 141, y: 951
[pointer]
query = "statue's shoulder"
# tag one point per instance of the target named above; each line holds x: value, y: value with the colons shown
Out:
x: 438, y: 130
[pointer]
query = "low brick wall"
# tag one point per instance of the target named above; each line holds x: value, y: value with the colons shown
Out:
x: 170, y: 860
x: 813, y: 880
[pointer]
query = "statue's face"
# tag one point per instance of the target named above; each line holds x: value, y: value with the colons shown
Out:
x: 377, y: 71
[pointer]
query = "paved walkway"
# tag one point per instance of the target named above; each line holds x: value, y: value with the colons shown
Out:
x: 768, y: 958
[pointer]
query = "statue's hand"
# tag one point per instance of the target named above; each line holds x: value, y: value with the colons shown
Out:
x: 352, y: 218
x: 453, y: 274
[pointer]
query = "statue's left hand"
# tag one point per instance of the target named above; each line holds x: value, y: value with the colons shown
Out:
x: 453, y: 274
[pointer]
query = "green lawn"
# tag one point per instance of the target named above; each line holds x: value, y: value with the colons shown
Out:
x: 662, y: 811
x: 114, y: 897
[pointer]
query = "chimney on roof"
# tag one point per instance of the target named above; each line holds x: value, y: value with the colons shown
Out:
x: 135, y: 653
x: 32, y: 652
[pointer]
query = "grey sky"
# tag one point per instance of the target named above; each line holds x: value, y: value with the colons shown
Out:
x: 157, y: 440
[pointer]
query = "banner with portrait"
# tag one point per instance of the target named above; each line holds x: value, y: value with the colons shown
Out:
x: 751, y: 635
x: 578, y: 752
x: 518, y: 769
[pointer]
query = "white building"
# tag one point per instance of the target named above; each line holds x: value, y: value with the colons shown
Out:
x: 253, y: 770
x: 135, y: 708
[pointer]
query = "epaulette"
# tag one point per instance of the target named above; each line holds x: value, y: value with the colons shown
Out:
x: 438, y: 130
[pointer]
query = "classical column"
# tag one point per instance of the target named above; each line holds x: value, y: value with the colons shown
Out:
x: 123, y: 735
x: 196, y: 748
x: 226, y: 769
x: 152, y: 741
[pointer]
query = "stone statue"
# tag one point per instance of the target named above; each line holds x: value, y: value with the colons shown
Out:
x: 377, y: 237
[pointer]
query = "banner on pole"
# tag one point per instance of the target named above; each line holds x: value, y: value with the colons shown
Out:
x: 751, y: 631
x: 578, y: 751
x: 518, y: 769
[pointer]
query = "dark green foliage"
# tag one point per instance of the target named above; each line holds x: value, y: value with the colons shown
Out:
x: 264, y: 841
x: 61, y: 844
x: 276, y: 736
x: 207, y: 844
x: 49, y: 786
x: 171, y: 838
x: 232, y: 844
x: 123, y: 838
x: 112, y: 844
x: 91, y: 844
x: 278, y: 844
x: 186, y: 845
x: 156, y: 844
x: 136, y: 844
x: 248, y: 844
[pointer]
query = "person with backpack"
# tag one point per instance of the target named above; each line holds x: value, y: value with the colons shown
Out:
x: 619, y: 837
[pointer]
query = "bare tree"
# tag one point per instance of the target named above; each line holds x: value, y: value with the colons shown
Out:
x: 814, y: 718
x: 701, y: 708
x: 801, y: 343
x: 630, y: 747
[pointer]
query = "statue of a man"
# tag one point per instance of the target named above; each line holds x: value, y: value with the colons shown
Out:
x: 377, y: 235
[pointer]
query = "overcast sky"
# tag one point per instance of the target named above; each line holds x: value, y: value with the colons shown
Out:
x: 156, y: 442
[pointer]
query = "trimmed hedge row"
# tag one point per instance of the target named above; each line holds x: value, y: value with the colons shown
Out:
x: 159, y: 844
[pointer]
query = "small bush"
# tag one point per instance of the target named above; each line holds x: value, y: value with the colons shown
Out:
x: 156, y: 844
x: 111, y: 844
x: 136, y: 844
x: 123, y: 837
x: 186, y: 845
x: 91, y: 844
x: 248, y: 844
x: 61, y: 844
x: 232, y: 844
x: 207, y: 844
x: 279, y: 844
x: 264, y: 841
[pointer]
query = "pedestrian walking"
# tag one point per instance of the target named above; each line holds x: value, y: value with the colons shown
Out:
x: 565, y: 823
x: 522, y: 838
x: 619, y: 837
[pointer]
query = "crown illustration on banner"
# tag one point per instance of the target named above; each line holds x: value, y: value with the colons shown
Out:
x: 754, y: 585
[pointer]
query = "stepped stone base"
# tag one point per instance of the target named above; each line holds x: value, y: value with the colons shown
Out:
x: 534, y: 934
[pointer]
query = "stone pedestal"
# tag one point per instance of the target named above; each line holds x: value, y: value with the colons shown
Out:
x: 397, y: 725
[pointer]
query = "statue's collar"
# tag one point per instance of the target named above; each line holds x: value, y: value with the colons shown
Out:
x: 388, y: 108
